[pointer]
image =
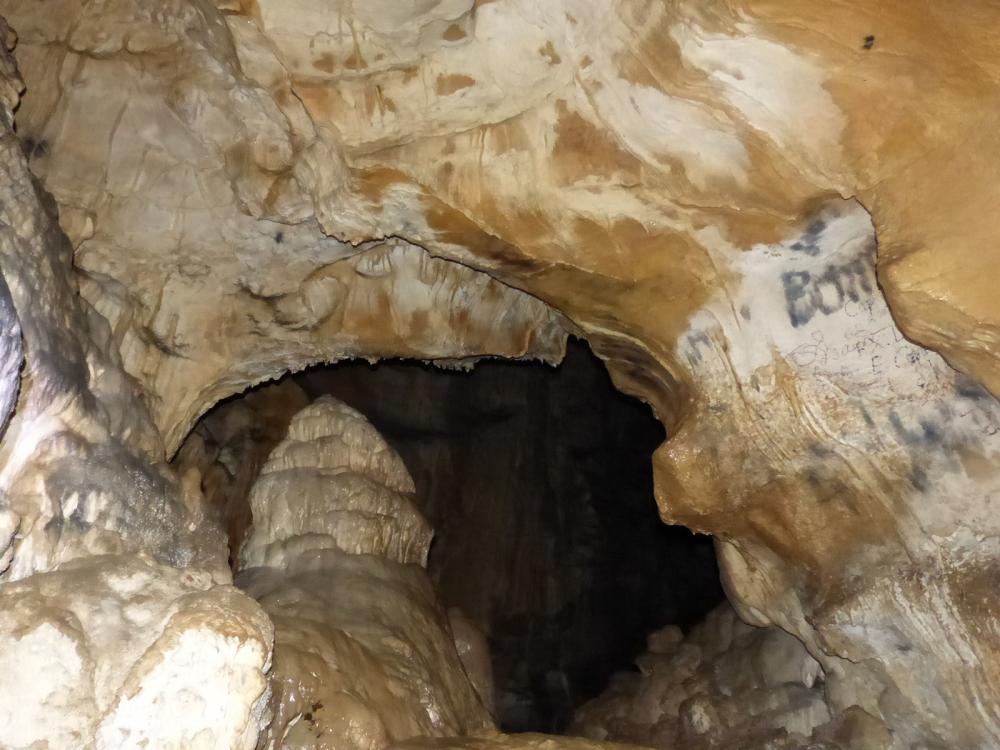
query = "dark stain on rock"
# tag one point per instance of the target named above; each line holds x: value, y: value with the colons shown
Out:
x: 820, y: 451
x: 796, y: 284
x: 966, y: 387
x: 55, y: 525
x: 805, y: 294
x: 34, y: 149
x: 928, y: 435
x: 809, y: 242
x: 695, y: 342
x: 161, y: 344
x: 869, y: 42
x: 932, y: 434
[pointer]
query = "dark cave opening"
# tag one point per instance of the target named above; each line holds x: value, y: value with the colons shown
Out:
x: 538, y: 483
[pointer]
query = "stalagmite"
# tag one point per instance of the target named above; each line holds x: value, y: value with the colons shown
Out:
x: 363, y: 652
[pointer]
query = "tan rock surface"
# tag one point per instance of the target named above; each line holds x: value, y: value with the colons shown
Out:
x: 196, y: 169
x: 119, y: 651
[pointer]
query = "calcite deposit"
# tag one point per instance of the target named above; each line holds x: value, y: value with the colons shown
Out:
x: 363, y: 652
x: 772, y: 220
x: 538, y: 479
x: 725, y: 685
x: 120, y: 651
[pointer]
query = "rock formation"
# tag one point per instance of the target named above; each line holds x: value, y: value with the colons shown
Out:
x: 725, y: 685
x: 116, y: 651
x: 247, y: 188
x: 536, y: 478
x: 224, y: 454
x: 363, y: 652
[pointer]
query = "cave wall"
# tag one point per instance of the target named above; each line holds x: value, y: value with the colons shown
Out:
x: 119, y: 624
x: 676, y: 179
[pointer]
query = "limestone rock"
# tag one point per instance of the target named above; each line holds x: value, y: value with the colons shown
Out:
x: 333, y: 483
x: 117, y: 624
x: 362, y: 654
x: 363, y: 651
x: 803, y: 339
x: 212, y: 177
x: 121, y: 651
x: 725, y: 685
x: 75, y: 407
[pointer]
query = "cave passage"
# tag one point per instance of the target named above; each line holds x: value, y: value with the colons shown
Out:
x: 537, y: 481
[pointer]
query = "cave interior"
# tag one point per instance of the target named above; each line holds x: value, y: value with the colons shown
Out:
x: 499, y: 375
x: 537, y: 480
